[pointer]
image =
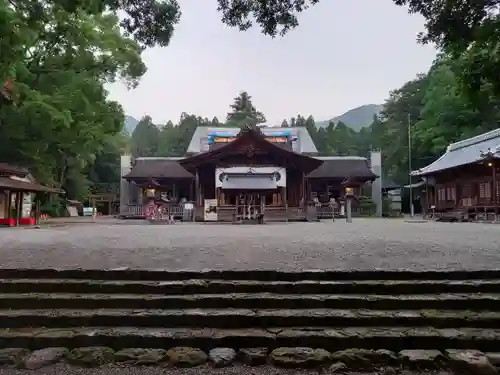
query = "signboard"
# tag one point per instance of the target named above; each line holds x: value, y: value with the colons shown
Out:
x: 226, y: 136
x: 210, y: 211
x: 272, y: 139
x: 277, y: 139
x: 223, y: 139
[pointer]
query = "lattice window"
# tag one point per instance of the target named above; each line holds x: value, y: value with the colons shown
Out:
x: 451, y: 193
x: 441, y: 193
x: 485, y: 190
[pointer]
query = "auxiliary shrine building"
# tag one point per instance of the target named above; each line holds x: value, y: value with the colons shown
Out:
x: 232, y: 174
x: 464, y: 183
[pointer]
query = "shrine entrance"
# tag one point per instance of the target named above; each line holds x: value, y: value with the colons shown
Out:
x: 250, y: 205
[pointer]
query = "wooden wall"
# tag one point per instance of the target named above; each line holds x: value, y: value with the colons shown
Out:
x: 466, y: 187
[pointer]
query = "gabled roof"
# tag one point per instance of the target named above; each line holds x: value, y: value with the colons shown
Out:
x: 464, y: 152
x: 145, y: 168
x: 257, y: 137
x: 302, y: 145
x: 18, y: 185
x: 343, y: 167
x: 13, y: 170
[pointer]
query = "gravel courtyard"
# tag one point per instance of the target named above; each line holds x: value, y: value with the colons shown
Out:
x: 363, y: 244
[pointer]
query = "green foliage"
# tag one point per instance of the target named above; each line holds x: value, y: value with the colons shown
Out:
x: 244, y: 112
x: 278, y: 18
x: 54, y: 208
x: 144, y: 140
x: 60, y: 56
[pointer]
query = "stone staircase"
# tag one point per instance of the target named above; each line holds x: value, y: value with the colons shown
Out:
x: 244, y: 309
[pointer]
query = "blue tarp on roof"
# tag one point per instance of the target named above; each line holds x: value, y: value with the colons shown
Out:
x: 464, y: 152
x: 231, y: 134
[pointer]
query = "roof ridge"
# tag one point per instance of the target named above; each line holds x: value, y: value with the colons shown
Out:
x: 473, y: 140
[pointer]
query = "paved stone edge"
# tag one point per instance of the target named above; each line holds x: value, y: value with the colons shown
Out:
x: 203, y: 286
x: 259, y: 275
x: 474, y: 361
x: 247, y: 318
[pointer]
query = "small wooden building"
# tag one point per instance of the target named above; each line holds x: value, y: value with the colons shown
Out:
x: 464, y: 181
x: 19, y: 203
x: 253, y: 173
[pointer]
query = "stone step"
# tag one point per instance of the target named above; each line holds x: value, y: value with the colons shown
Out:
x: 206, y: 286
x: 464, y: 301
x: 259, y: 275
x: 392, y: 338
x: 247, y: 318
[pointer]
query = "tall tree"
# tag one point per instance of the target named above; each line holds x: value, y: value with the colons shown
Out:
x: 215, y: 122
x: 144, y: 140
x: 310, y: 125
x: 244, y: 112
x: 60, y: 62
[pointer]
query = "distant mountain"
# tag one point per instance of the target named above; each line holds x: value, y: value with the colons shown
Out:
x: 130, y: 124
x: 356, y: 118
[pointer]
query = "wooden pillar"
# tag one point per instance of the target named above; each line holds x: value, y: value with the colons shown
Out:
x: 285, y: 201
x: 37, y: 209
x: 192, y: 194
x: 303, y: 191
x: 197, y: 189
x: 19, y: 211
x: 7, y: 204
x: 494, y: 184
x: 426, y: 196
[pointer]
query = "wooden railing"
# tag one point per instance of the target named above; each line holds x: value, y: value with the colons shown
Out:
x: 230, y: 214
x: 132, y: 211
x: 174, y: 212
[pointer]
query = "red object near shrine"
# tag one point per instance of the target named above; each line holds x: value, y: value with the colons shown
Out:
x: 23, y: 221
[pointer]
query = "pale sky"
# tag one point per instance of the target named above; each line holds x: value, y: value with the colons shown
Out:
x: 345, y: 53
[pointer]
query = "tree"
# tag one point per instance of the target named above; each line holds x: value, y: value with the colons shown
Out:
x: 60, y: 62
x: 244, y: 112
x: 311, y: 127
x: 215, y: 122
x: 300, y: 121
x: 284, y: 124
x: 144, y: 140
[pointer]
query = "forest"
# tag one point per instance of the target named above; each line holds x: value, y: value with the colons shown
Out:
x: 57, y: 120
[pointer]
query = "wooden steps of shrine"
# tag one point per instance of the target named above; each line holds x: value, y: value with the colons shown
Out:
x: 207, y: 309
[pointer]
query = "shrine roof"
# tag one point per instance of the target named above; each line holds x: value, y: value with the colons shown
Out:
x: 465, y: 152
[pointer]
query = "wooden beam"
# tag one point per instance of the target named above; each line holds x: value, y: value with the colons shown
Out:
x: 19, y: 200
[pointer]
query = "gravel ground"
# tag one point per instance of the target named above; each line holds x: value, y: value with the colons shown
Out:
x: 236, y: 370
x: 363, y: 244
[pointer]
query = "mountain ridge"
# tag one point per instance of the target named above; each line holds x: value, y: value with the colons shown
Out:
x: 355, y: 118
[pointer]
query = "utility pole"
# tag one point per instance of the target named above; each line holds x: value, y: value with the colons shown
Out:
x: 412, y: 212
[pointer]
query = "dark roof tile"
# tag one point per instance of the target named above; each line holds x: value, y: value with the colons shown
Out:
x: 10, y: 183
x: 343, y: 167
x: 159, y: 168
x: 13, y: 170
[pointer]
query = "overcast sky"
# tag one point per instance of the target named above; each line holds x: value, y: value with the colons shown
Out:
x: 343, y: 54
